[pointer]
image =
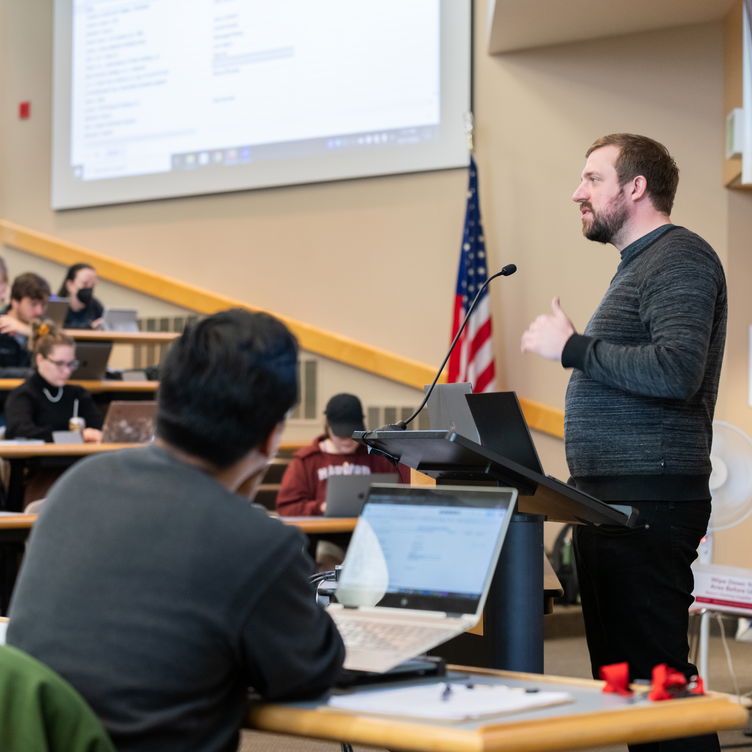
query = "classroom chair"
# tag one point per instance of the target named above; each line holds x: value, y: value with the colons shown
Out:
x: 40, y: 711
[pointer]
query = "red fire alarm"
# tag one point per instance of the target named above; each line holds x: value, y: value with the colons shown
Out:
x: 24, y: 110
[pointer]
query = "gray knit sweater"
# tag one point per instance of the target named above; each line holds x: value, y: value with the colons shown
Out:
x: 639, y: 406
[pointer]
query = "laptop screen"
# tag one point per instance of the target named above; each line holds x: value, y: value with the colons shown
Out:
x: 427, y: 548
x: 502, y: 427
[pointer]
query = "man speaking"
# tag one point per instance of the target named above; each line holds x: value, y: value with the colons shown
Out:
x: 639, y: 408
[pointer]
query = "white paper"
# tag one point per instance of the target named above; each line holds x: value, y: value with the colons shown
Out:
x: 461, y: 702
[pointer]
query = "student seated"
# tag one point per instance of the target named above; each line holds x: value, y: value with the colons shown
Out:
x: 303, y: 487
x: 28, y: 301
x: 153, y: 587
x: 84, y: 310
x: 45, y: 402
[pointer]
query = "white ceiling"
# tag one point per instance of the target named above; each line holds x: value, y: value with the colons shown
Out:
x: 519, y: 24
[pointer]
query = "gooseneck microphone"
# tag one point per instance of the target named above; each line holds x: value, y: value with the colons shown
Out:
x: 401, y: 425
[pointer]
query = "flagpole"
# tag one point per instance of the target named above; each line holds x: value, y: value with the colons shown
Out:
x: 473, y: 359
x: 469, y: 129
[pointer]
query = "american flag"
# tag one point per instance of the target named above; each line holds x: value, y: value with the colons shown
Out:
x: 472, y: 359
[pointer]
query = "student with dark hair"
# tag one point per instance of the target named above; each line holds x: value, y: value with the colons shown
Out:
x: 153, y: 587
x: 84, y: 310
x: 45, y: 402
x: 28, y: 302
x: 303, y: 487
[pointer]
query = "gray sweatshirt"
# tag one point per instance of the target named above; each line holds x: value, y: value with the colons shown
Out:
x: 640, y: 401
x: 162, y: 597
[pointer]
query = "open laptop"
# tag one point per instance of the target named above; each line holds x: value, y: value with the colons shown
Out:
x: 120, y: 320
x: 56, y: 311
x: 93, y: 357
x: 447, y: 409
x: 129, y: 422
x: 346, y: 494
x: 418, y: 569
x: 502, y: 427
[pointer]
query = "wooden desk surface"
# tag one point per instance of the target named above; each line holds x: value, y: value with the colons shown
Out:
x: 316, y: 525
x: 106, y: 385
x: 26, y: 451
x: 21, y: 451
x: 17, y: 521
x: 594, y: 719
x: 123, y: 338
x: 312, y: 525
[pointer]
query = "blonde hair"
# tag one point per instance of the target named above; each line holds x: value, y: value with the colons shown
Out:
x: 45, y: 335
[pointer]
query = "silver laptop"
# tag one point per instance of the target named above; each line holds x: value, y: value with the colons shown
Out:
x: 448, y: 410
x: 418, y: 569
x: 120, y: 320
x: 346, y: 494
x: 129, y: 422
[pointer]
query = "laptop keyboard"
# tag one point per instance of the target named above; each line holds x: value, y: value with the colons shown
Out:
x: 388, y: 636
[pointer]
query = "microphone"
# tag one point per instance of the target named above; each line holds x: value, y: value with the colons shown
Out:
x: 401, y: 425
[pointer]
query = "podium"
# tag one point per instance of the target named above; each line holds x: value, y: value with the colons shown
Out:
x: 513, y: 618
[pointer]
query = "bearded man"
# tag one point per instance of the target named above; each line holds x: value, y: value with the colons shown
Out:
x: 639, y: 409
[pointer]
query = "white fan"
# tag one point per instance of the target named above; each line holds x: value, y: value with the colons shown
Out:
x: 731, y: 491
x: 731, y: 477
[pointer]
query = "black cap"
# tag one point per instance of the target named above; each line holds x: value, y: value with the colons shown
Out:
x: 344, y: 414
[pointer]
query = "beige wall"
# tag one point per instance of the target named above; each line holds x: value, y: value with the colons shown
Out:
x: 538, y: 111
x: 375, y: 259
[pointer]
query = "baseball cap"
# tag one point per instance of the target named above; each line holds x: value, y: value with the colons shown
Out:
x: 344, y: 414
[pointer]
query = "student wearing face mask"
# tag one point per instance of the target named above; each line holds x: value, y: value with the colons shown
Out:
x: 84, y: 310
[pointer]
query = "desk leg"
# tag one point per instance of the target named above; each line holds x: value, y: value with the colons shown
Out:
x: 15, y: 497
x: 702, y: 662
x: 10, y: 557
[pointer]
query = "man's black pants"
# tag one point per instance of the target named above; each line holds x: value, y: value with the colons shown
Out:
x: 636, y: 590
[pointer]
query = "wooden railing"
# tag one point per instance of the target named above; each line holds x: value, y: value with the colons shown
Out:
x: 335, y: 346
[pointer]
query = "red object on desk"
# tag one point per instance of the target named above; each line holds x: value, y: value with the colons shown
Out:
x: 616, y: 676
x: 668, y: 683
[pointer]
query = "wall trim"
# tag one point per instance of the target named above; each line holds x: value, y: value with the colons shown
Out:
x: 319, y: 341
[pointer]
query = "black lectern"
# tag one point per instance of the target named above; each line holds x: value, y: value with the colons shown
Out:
x: 513, y: 619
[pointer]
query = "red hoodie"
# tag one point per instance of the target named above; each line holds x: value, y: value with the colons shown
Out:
x: 303, y: 487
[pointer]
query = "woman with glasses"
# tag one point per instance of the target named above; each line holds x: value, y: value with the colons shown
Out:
x: 45, y: 402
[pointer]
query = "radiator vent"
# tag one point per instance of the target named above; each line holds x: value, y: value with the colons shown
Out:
x: 308, y: 407
x: 151, y: 355
x: 384, y: 415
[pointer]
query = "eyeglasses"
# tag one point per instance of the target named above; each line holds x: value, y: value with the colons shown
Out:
x: 72, y: 364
